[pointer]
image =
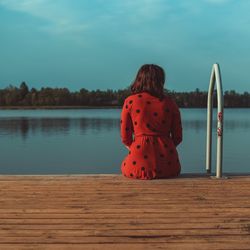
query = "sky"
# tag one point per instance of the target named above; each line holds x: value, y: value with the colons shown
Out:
x: 101, y: 44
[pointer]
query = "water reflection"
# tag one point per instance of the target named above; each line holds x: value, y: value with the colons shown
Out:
x: 52, y: 126
x: 199, y: 125
x: 25, y: 127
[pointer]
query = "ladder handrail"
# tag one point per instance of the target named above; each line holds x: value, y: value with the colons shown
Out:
x: 215, y: 77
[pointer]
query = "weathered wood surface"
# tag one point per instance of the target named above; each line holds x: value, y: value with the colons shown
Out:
x: 110, y: 211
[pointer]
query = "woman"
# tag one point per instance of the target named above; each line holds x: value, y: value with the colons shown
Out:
x: 150, y: 128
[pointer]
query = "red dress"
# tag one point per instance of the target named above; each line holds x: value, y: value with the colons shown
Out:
x: 151, y: 128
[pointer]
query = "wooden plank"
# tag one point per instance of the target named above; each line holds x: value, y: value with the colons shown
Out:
x: 202, y: 238
x: 18, y: 226
x: 130, y: 234
x: 125, y: 218
x: 136, y: 246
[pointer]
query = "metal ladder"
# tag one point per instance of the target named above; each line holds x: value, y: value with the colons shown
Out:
x: 215, y: 78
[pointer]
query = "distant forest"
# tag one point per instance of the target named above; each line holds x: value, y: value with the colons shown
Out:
x: 46, y: 96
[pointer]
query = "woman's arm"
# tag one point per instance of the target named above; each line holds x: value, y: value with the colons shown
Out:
x: 176, y: 127
x: 126, y: 124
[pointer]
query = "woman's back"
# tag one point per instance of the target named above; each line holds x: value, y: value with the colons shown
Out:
x: 156, y: 126
x: 151, y: 115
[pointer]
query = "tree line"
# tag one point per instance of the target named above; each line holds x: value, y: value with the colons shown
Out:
x: 47, y: 96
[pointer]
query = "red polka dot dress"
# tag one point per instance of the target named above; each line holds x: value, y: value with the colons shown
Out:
x: 151, y: 128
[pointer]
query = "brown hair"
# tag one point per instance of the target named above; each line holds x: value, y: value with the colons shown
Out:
x: 150, y: 78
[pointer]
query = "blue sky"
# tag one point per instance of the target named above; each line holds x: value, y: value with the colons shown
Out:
x: 102, y: 43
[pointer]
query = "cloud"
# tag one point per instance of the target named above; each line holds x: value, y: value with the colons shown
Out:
x: 59, y: 19
x: 75, y: 17
x: 144, y: 9
x: 217, y: 1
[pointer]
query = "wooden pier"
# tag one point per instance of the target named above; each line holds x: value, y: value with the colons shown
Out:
x: 113, y: 212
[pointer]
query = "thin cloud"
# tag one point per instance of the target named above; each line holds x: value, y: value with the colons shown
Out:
x: 144, y: 9
x: 59, y: 19
x: 217, y: 1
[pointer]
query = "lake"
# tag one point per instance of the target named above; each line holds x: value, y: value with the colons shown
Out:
x: 87, y: 141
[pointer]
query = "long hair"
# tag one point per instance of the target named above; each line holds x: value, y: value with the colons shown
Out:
x: 150, y: 78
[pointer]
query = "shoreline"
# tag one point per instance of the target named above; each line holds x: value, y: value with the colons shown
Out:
x: 90, y: 107
x: 57, y: 107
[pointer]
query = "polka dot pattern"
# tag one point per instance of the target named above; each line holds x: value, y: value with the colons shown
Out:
x: 149, y: 128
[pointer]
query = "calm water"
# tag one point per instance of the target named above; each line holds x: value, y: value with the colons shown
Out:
x: 88, y: 141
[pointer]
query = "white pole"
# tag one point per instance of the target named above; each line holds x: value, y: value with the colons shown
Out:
x: 209, y: 121
x: 215, y: 77
x: 220, y: 115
